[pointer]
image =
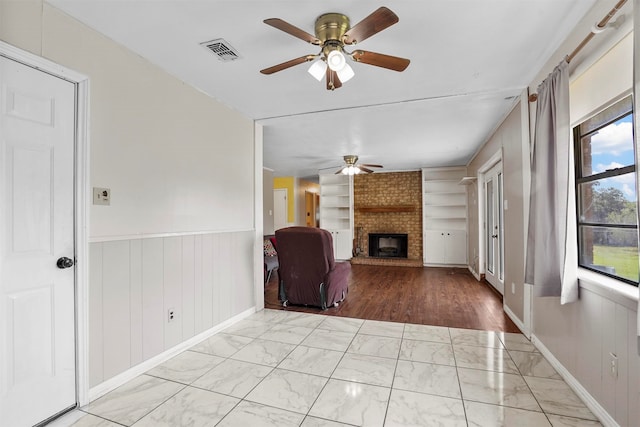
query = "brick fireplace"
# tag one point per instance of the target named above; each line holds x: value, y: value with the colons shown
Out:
x: 391, y: 204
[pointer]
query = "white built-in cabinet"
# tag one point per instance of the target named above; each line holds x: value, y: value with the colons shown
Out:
x: 444, y: 221
x: 336, y: 212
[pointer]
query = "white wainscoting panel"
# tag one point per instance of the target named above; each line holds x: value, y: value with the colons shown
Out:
x: 197, y: 285
x: 589, y: 355
x: 135, y: 282
x: 116, y: 308
x: 188, y: 286
x: 205, y: 279
x: 152, y: 297
x: 632, y: 387
x: 579, y: 339
x: 96, y: 340
x: 172, y: 291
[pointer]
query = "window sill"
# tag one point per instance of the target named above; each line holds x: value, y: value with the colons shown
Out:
x: 609, y: 288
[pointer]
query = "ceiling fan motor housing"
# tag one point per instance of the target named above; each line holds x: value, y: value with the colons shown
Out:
x: 350, y: 160
x: 331, y: 26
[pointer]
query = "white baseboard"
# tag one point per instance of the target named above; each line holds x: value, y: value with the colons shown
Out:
x: 519, y: 323
x: 591, y: 403
x: 115, y: 382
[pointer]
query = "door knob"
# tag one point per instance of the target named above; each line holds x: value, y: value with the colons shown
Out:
x: 64, y: 262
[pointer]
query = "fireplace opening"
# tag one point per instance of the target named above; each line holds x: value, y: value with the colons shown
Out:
x: 388, y: 245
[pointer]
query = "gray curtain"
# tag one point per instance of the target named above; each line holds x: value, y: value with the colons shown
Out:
x: 549, y: 266
x: 636, y: 115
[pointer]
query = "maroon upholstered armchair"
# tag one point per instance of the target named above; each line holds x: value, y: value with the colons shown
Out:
x: 308, y: 272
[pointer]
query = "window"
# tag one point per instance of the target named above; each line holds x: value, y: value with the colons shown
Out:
x: 606, y: 193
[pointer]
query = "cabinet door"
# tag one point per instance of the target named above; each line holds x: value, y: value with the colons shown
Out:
x: 342, y: 244
x: 456, y: 246
x: 434, y: 250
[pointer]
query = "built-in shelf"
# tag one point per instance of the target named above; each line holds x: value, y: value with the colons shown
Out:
x: 467, y: 180
x: 385, y: 209
x: 336, y: 212
x: 444, y: 215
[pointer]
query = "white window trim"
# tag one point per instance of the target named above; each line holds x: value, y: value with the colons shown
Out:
x: 610, y: 288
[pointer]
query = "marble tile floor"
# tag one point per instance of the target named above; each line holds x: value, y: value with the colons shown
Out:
x: 279, y: 368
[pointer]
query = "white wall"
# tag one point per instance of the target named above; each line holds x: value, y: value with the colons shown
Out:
x: 507, y: 140
x: 267, y: 201
x: 180, y: 232
x: 175, y: 160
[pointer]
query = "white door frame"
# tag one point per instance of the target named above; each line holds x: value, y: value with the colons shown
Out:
x: 81, y: 194
x: 482, y: 170
x: 496, y: 279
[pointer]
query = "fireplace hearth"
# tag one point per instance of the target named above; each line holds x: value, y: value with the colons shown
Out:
x: 388, y: 245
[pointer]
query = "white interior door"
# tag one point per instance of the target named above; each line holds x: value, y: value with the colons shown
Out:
x: 37, y: 299
x: 494, y: 230
x: 279, y: 208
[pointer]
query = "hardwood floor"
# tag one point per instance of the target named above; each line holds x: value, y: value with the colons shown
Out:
x: 430, y: 296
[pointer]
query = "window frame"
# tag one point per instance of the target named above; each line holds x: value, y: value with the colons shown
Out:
x: 609, y: 173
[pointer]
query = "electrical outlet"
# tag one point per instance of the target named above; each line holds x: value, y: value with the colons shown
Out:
x: 613, y: 365
x: 171, y: 315
x: 101, y: 196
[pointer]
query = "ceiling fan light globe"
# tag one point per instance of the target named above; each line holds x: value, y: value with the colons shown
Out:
x: 351, y: 170
x: 318, y: 69
x: 336, y: 60
x: 346, y: 73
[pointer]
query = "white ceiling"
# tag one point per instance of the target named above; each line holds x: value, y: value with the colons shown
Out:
x: 469, y: 60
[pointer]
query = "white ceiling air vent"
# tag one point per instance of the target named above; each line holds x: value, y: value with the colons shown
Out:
x: 222, y: 49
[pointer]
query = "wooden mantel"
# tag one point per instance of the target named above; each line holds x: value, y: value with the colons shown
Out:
x: 385, y: 209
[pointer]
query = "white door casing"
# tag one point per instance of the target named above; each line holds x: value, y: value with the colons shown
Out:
x: 37, y: 299
x: 280, y: 208
x: 494, y: 231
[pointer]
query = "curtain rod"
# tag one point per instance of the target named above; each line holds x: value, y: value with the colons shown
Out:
x: 598, y: 28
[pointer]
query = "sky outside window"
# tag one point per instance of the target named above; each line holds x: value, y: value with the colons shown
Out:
x: 612, y: 148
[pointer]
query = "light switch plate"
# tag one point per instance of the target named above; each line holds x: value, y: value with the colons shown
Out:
x: 101, y: 196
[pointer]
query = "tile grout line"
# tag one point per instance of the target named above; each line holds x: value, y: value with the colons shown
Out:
x: 393, y: 378
x: 455, y: 362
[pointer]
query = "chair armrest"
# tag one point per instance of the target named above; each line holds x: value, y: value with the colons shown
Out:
x: 337, y: 279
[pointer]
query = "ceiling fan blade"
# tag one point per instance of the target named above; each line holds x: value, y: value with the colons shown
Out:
x: 363, y: 169
x: 288, y: 64
x: 339, y: 171
x: 371, y: 166
x: 378, y: 59
x: 292, y: 30
x: 379, y: 20
x: 333, y: 82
